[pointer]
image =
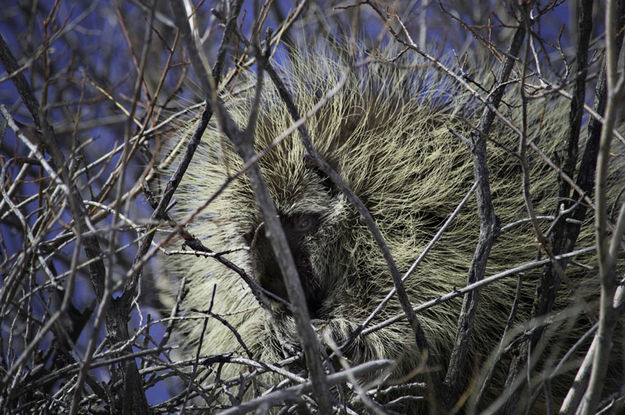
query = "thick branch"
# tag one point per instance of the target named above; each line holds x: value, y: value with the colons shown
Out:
x: 489, y: 224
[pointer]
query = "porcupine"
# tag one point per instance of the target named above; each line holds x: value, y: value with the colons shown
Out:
x: 392, y: 134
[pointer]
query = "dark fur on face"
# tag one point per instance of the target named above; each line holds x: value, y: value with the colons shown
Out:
x: 297, y: 228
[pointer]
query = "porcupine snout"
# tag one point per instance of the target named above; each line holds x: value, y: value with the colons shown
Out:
x: 297, y: 228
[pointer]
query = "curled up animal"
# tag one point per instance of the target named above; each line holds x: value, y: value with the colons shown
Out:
x: 401, y: 135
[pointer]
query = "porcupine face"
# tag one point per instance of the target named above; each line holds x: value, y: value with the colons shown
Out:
x: 312, y: 215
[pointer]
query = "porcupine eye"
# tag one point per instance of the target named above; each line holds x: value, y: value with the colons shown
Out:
x: 303, y: 224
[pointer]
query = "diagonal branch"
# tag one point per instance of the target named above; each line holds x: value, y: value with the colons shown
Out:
x: 243, y: 142
x: 489, y: 224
